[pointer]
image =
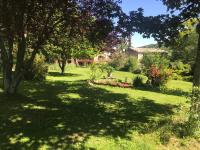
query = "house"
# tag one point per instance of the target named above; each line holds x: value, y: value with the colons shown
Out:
x: 139, y: 52
x: 103, y: 57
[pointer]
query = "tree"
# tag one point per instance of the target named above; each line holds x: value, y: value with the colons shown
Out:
x: 185, y: 45
x: 26, y: 25
x: 166, y: 28
x: 60, y: 46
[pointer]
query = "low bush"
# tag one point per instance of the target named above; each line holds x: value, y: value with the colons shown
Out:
x: 131, y: 64
x: 118, y: 61
x: 188, y: 78
x: 158, y: 76
x: 165, y: 136
x: 138, y: 81
x: 156, y: 60
x: 181, y: 71
x: 176, y: 76
x: 38, y: 71
x: 137, y: 71
x: 96, y: 71
x: 108, y: 69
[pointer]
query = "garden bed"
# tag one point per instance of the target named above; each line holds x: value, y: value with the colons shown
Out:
x: 111, y: 82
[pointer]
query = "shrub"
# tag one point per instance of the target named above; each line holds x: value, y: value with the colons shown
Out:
x: 138, y: 81
x: 193, y: 125
x: 118, y: 61
x: 176, y: 76
x: 177, y: 65
x: 165, y: 136
x: 108, y: 69
x: 131, y: 64
x: 157, y: 76
x: 181, y: 71
x: 156, y: 60
x: 137, y: 71
x: 188, y: 78
x: 96, y: 71
x: 38, y: 70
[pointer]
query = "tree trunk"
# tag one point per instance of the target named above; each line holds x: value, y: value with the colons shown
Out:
x: 11, y: 80
x: 11, y: 85
x: 63, y: 69
x: 76, y: 62
x: 62, y: 64
x: 196, y: 81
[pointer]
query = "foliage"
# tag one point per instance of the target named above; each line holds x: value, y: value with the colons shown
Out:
x: 138, y: 71
x: 157, y: 60
x: 165, y: 135
x: 181, y: 71
x: 158, y: 76
x: 185, y: 45
x: 193, y: 125
x: 84, y: 49
x: 131, y: 64
x: 96, y: 71
x: 108, y: 69
x: 38, y: 71
x: 155, y: 66
x: 138, y: 81
x: 114, y: 41
x: 67, y: 44
x: 26, y: 26
x: 118, y: 60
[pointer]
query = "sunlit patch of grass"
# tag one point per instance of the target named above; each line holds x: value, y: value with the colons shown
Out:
x: 44, y: 147
x: 60, y: 126
x: 181, y: 85
x: 15, y: 118
x: 69, y: 95
x: 19, y: 138
x: 138, y: 142
x: 32, y: 106
x: 24, y: 140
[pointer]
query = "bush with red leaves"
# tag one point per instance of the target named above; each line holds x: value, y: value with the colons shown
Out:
x: 158, y: 76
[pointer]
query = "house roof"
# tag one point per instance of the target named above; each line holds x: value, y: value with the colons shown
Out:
x: 147, y: 50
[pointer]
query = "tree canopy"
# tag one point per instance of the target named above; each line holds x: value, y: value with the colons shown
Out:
x: 26, y: 26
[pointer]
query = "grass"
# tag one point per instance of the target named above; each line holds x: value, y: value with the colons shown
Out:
x: 64, y: 112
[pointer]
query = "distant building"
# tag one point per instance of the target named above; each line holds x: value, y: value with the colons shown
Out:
x: 103, y: 57
x: 139, y: 52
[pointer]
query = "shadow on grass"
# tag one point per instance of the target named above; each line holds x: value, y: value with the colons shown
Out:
x: 57, y: 74
x: 59, y: 114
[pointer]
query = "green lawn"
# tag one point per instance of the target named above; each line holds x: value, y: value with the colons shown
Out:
x: 64, y: 112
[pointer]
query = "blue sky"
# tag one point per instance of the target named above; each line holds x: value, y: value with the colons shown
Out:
x: 151, y: 8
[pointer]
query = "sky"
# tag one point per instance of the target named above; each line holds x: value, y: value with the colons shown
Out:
x: 151, y: 8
